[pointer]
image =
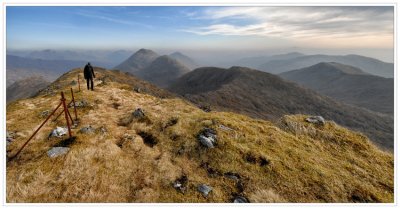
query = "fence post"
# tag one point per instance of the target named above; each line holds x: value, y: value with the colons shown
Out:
x: 79, y: 84
x: 66, y: 113
x: 73, y: 102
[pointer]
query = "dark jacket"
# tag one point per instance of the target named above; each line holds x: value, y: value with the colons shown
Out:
x: 88, y: 72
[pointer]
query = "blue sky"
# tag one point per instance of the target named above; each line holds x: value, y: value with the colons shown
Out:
x: 198, y: 27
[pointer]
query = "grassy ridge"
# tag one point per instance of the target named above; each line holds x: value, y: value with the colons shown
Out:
x: 288, y: 161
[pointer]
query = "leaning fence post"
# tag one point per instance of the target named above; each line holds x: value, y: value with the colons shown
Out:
x: 79, y: 84
x: 73, y: 102
x: 66, y: 113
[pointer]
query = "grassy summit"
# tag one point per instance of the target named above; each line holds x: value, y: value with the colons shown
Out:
x: 287, y: 161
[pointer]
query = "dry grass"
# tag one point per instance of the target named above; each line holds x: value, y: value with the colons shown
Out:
x: 305, y: 163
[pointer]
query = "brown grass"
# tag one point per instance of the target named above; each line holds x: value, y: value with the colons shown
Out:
x: 306, y: 163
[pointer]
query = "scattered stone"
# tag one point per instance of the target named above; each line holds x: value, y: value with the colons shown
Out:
x: 58, y: 132
x: 240, y: 199
x: 10, y: 135
x: 82, y: 103
x: 180, y: 184
x: 45, y: 113
x: 138, y: 113
x: 319, y: 120
x: 208, y: 137
x: 87, y: 130
x: 73, y: 83
x: 171, y: 122
x: 225, y: 128
x: 233, y: 176
x: 57, y: 151
x: 204, y: 189
x: 137, y: 89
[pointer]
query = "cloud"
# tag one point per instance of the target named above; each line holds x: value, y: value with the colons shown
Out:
x: 296, y: 22
x: 112, y: 19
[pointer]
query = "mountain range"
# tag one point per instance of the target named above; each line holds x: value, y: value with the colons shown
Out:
x: 159, y: 70
x: 347, y: 84
x: 367, y: 64
x: 266, y: 96
x: 25, y: 88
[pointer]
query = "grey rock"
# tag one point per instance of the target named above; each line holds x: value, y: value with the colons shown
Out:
x: 82, y: 103
x: 57, y: 151
x: 316, y: 120
x: 204, y: 189
x: 240, y: 199
x: 87, y: 130
x: 180, y: 184
x: 10, y: 136
x: 137, y: 89
x: 138, y: 113
x: 208, y: 137
x: 58, y: 132
x: 225, y: 128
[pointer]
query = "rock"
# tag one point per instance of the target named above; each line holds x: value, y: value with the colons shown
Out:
x: 82, y: 103
x: 138, y: 113
x: 45, y: 113
x: 205, y: 108
x: 240, y: 199
x: 57, y: 151
x: 137, y: 89
x: 233, y: 176
x: 319, y: 120
x: 225, y: 128
x: 10, y: 136
x: 58, y: 132
x: 73, y: 83
x: 208, y: 137
x: 180, y: 184
x: 87, y: 130
x: 204, y: 189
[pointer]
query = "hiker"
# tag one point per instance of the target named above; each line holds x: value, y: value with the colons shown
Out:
x: 89, y: 75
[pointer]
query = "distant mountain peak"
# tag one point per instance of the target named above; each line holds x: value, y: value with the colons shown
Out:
x: 347, y: 69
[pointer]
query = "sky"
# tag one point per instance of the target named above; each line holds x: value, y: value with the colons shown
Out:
x: 199, y: 28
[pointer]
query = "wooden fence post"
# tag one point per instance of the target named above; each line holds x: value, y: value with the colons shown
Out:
x: 66, y: 113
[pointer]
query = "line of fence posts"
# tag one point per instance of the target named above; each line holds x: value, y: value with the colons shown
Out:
x: 67, y: 115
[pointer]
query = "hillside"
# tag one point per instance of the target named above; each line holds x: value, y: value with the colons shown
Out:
x: 185, y: 60
x: 255, y: 62
x: 139, y: 60
x: 25, y: 88
x: 347, y: 84
x: 266, y: 96
x: 163, y: 71
x: 142, y: 161
x: 367, y: 64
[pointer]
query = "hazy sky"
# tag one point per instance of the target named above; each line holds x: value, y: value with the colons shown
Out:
x: 203, y: 28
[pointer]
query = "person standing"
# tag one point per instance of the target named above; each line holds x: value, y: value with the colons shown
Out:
x: 89, y: 75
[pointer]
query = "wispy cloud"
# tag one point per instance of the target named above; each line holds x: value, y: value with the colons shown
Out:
x: 297, y: 22
x: 113, y: 19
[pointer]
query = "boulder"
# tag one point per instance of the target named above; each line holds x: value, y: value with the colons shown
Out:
x: 57, y: 151
x: 87, y: 130
x: 208, y: 137
x: 319, y: 120
x: 204, y: 189
x: 240, y: 199
x: 82, y: 103
x: 58, y: 132
x: 138, y: 113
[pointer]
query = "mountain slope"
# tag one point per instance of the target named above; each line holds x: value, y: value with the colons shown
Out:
x: 347, y: 84
x: 139, y: 60
x: 263, y: 95
x: 254, y: 62
x: 163, y: 71
x: 25, y: 88
x: 367, y: 64
x: 291, y: 161
x: 19, y: 68
x: 187, y: 61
